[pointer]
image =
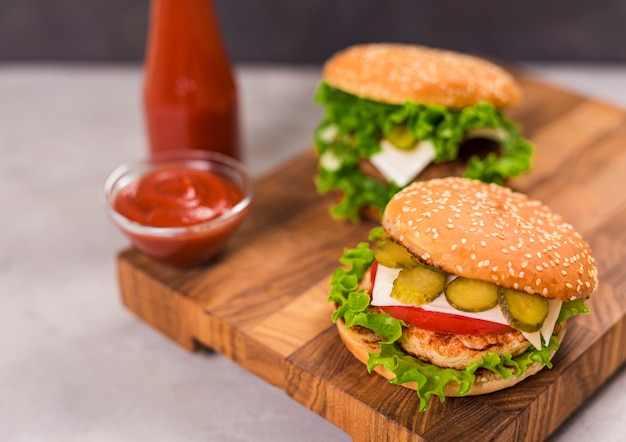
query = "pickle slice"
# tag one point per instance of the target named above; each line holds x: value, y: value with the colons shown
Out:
x: 523, y: 312
x: 390, y: 254
x: 418, y: 285
x: 401, y: 137
x: 470, y: 295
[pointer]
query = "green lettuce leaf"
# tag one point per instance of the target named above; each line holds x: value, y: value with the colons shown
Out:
x: 358, y: 124
x: 353, y: 306
x: 572, y: 308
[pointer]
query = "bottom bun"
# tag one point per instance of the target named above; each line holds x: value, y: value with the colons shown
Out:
x: 362, y: 341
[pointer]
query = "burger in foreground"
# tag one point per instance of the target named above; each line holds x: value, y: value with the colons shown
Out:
x: 391, y: 111
x: 466, y: 290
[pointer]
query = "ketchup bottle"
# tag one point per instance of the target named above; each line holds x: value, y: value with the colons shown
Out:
x: 190, y: 96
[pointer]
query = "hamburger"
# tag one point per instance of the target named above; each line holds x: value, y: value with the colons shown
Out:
x: 393, y: 113
x: 464, y: 290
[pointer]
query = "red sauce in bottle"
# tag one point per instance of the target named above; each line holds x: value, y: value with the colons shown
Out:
x: 184, y: 199
x: 190, y: 97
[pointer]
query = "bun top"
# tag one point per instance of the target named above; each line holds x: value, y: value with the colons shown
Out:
x: 490, y: 233
x: 395, y: 73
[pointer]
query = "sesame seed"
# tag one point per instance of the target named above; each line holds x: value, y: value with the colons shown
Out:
x: 450, y: 226
x: 453, y: 247
x: 505, y: 251
x: 459, y: 268
x: 521, y: 274
x: 483, y: 243
x: 564, y: 272
x: 463, y: 241
x: 525, y: 264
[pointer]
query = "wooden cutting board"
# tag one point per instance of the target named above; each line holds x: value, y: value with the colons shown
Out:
x: 263, y: 302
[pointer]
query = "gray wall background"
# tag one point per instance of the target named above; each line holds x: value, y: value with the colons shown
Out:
x: 310, y: 30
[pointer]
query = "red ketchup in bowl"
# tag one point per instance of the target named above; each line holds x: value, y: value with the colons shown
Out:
x: 177, y: 197
x: 181, y: 213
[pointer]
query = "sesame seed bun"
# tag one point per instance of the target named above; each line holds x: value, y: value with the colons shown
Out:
x: 490, y: 233
x: 396, y: 73
x: 360, y: 342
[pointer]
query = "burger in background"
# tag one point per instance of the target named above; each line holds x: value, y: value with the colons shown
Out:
x: 394, y: 113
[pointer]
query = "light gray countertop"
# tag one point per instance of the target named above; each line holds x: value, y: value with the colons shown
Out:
x: 75, y: 365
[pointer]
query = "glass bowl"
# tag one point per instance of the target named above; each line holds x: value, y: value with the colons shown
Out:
x: 184, y: 245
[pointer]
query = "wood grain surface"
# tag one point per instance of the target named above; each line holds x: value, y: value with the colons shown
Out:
x: 263, y: 303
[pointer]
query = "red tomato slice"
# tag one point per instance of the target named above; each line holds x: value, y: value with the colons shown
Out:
x: 373, y: 271
x: 444, y: 322
x: 441, y: 322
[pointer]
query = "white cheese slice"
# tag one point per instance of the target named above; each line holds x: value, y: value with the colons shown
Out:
x: 330, y: 161
x: 381, y: 296
x: 329, y: 133
x: 534, y: 338
x: 553, y: 314
x: 401, y: 166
